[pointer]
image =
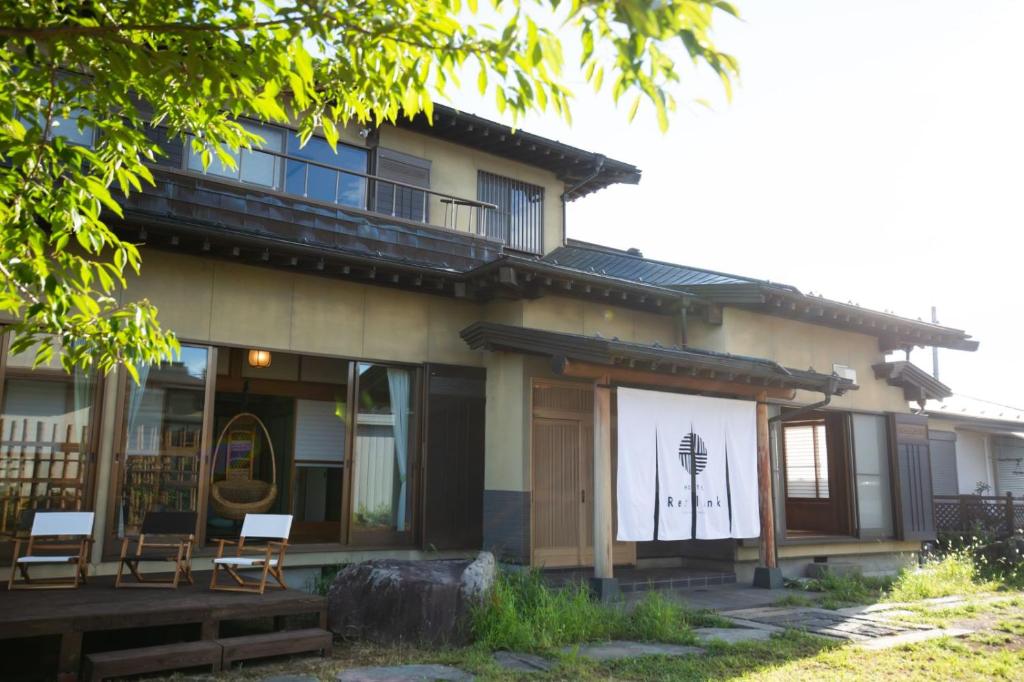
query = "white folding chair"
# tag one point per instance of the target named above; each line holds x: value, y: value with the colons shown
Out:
x: 56, y: 538
x: 273, y: 531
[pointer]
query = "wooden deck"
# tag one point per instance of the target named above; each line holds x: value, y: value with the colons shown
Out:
x: 192, y: 611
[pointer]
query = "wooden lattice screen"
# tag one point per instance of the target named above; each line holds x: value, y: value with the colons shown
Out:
x: 999, y: 516
x: 43, y: 465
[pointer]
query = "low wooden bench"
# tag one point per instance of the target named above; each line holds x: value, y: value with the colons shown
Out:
x: 279, y: 643
x: 152, y: 659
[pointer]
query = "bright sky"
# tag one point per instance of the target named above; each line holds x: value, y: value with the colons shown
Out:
x: 872, y: 153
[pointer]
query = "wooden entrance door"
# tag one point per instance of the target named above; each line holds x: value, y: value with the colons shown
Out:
x: 563, y: 478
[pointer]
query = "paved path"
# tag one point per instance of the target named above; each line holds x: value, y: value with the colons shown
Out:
x: 726, y: 597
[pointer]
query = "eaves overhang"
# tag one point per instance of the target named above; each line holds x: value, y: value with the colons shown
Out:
x: 918, y: 386
x: 893, y: 332
x: 697, y: 363
x: 514, y: 276
x: 583, y: 172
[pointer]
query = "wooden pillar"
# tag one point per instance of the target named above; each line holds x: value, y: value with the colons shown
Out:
x: 764, y: 485
x: 70, y: 656
x: 602, y: 482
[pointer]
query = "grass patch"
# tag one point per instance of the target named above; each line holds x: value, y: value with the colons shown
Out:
x: 795, y: 600
x: 1014, y: 626
x: 953, y: 574
x: 847, y: 590
x: 524, y: 614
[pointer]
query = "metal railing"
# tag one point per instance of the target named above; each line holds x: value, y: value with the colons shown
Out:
x: 474, y: 212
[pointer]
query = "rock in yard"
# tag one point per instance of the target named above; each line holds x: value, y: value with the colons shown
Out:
x: 614, y: 651
x: 522, y: 663
x: 420, y: 602
x: 405, y: 673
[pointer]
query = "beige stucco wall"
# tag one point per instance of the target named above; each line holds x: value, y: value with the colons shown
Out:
x: 506, y: 438
x: 453, y: 170
x: 576, y: 316
x: 220, y: 302
x: 800, y: 345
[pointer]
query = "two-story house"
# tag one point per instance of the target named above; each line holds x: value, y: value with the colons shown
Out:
x: 414, y: 344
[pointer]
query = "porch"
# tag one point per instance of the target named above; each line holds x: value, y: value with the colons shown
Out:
x: 49, y: 632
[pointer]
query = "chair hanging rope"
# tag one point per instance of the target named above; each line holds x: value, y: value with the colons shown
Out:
x: 233, y: 499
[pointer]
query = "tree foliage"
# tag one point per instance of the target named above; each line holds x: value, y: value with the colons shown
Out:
x: 114, y: 67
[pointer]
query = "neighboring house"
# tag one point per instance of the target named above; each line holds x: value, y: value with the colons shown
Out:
x: 424, y: 345
x: 980, y: 448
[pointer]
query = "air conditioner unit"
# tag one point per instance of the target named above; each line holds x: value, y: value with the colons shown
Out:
x: 845, y: 372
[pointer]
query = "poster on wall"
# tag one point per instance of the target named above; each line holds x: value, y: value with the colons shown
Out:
x: 240, y: 449
x: 687, y: 467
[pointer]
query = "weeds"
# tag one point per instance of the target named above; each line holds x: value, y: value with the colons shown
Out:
x: 846, y: 590
x: 523, y: 614
x: 956, y: 573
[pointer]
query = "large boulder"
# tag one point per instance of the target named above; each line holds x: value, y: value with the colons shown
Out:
x: 420, y: 602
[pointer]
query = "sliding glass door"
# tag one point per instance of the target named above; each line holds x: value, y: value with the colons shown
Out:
x: 164, y: 425
x: 383, y: 458
x: 47, y: 439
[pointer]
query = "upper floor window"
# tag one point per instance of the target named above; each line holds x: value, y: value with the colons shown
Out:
x: 324, y: 179
x: 251, y: 166
x: 400, y: 200
x: 519, y: 219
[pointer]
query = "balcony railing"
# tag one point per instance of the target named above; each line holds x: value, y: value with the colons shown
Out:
x: 329, y: 185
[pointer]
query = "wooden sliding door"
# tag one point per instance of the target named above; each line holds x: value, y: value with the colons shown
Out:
x: 563, y: 478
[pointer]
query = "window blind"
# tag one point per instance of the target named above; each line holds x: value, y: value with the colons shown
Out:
x: 806, y: 461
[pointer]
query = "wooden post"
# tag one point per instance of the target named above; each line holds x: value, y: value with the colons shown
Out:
x: 603, y: 578
x: 1010, y: 518
x: 70, y: 656
x: 764, y: 485
x: 767, y: 575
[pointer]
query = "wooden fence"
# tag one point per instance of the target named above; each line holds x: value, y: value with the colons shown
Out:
x: 979, y: 514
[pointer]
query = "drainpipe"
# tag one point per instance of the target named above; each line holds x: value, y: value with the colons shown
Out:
x: 598, y: 166
x: 808, y: 408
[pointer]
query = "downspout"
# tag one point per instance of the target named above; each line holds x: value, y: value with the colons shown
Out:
x: 598, y: 166
x: 829, y: 390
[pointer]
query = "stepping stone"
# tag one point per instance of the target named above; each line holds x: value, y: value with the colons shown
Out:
x: 291, y: 678
x: 522, y: 663
x: 614, y: 651
x: 405, y: 673
x: 731, y: 635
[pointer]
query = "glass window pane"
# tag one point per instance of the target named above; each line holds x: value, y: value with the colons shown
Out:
x: 384, y: 425
x: 163, y: 439
x: 288, y: 424
x: 321, y: 183
x: 259, y: 168
x: 216, y: 167
x: 325, y: 184
x: 44, y: 436
x: 68, y: 129
x: 871, y: 460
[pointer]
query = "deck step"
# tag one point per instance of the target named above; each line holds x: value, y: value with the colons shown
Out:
x: 279, y: 643
x: 152, y: 659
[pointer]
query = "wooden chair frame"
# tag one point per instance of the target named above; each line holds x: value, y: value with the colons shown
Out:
x: 269, y: 558
x: 262, y: 558
x: 181, y: 555
x: 75, y: 551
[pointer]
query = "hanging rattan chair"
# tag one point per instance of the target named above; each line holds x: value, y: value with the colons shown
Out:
x: 234, y: 498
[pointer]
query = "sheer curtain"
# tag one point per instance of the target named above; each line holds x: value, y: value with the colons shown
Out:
x: 398, y: 386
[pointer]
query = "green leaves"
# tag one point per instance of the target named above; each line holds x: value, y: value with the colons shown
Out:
x: 106, y: 72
